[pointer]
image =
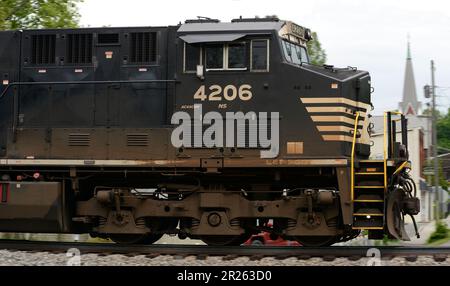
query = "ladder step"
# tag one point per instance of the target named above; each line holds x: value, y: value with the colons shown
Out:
x: 368, y: 214
x: 370, y: 197
x: 371, y: 161
x: 368, y: 211
x: 375, y: 221
x: 369, y: 169
x: 368, y: 227
x: 369, y: 187
x: 368, y: 201
x: 369, y: 173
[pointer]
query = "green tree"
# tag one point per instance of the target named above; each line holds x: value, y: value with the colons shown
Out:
x: 442, y: 179
x: 35, y: 14
x: 443, y: 130
x: 317, y: 54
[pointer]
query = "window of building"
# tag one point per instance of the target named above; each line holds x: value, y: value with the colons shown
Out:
x: 214, y: 57
x: 260, y: 55
x: 192, y: 57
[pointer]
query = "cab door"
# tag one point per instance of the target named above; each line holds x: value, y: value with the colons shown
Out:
x: 9, y: 73
x: 108, y: 60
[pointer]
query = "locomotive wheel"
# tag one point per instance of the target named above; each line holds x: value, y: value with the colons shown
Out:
x: 395, y: 219
x: 257, y: 242
x: 225, y: 240
x: 160, y: 226
x: 316, y: 241
x: 125, y: 238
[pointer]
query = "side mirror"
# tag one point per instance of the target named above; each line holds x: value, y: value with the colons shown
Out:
x: 200, y: 72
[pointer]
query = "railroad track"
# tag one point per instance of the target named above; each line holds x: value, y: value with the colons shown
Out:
x: 439, y: 254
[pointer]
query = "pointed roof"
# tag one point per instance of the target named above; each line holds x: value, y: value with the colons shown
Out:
x: 409, y: 105
x: 410, y: 110
x: 408, y: 57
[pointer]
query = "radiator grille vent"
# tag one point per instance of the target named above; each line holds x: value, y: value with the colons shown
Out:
x: 137, y: 140
x: 79, y: 49
x: 143, y: 47
x: 79, y: 139
x: 43, y: 49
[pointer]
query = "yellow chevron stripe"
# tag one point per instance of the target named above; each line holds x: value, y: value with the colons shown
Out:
x: 337, y: 138
x: 324, y: 128
x: 343, y: 100
x: 332, y: 118
x: 330, y: 109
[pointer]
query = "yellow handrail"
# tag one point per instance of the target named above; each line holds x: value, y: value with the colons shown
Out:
x: 385, y: 150
x: 352, y: 179
x: 386, y: 146
x: 401, y: 167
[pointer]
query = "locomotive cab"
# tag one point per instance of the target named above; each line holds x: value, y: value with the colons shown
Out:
x: 262, y: 65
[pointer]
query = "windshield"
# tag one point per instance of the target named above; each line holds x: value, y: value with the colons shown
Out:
x: 294, y: 53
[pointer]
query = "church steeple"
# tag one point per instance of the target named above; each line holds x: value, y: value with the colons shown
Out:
x: 408, y: 57
x: 409, y: 105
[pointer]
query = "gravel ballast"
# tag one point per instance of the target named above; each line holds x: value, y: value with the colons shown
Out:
x: 21, y: 258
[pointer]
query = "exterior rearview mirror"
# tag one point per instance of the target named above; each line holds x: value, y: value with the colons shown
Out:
x: 200, y: 72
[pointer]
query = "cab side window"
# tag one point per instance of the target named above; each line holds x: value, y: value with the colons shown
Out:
x: 260, y: 55
x: 192, y: 57
x: 214, y: 57
x: 237, y: 56
x: 251, y: 55
x: 231, y: 56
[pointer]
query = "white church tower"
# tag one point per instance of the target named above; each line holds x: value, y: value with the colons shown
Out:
x: 410, y: 105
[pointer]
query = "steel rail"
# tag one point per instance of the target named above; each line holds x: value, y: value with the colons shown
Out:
x: 260, y: 251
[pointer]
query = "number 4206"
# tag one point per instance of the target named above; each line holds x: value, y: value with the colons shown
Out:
x: 229, y: 92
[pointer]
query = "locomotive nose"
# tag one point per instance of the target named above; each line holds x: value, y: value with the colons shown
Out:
x: 343, y: 75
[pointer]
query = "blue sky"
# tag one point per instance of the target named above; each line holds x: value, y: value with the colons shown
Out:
x: 370, y: 35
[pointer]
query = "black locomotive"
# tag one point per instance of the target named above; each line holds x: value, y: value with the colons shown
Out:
x: 90, y: 137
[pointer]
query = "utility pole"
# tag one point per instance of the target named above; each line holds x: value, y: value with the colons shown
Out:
x: 435, y: 145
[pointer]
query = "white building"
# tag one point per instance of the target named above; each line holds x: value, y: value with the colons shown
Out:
x: 419, y: 140
x: 417, y: 155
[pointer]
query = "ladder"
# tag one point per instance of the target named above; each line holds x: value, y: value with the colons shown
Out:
x: 368, y: 190
x: 368, y: 194
x: 369, y: 178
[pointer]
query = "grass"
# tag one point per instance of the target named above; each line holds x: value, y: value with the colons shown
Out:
x: 440, y: 235
x: 386, y: 241
x: 439, y: 241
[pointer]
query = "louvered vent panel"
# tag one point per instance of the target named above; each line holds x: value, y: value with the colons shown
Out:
x: 43, y: 49
x: 79, y: 139
x: 143, y: 47
x: 79, y: 49
x: 250, y: 138
x: 137, y: 140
